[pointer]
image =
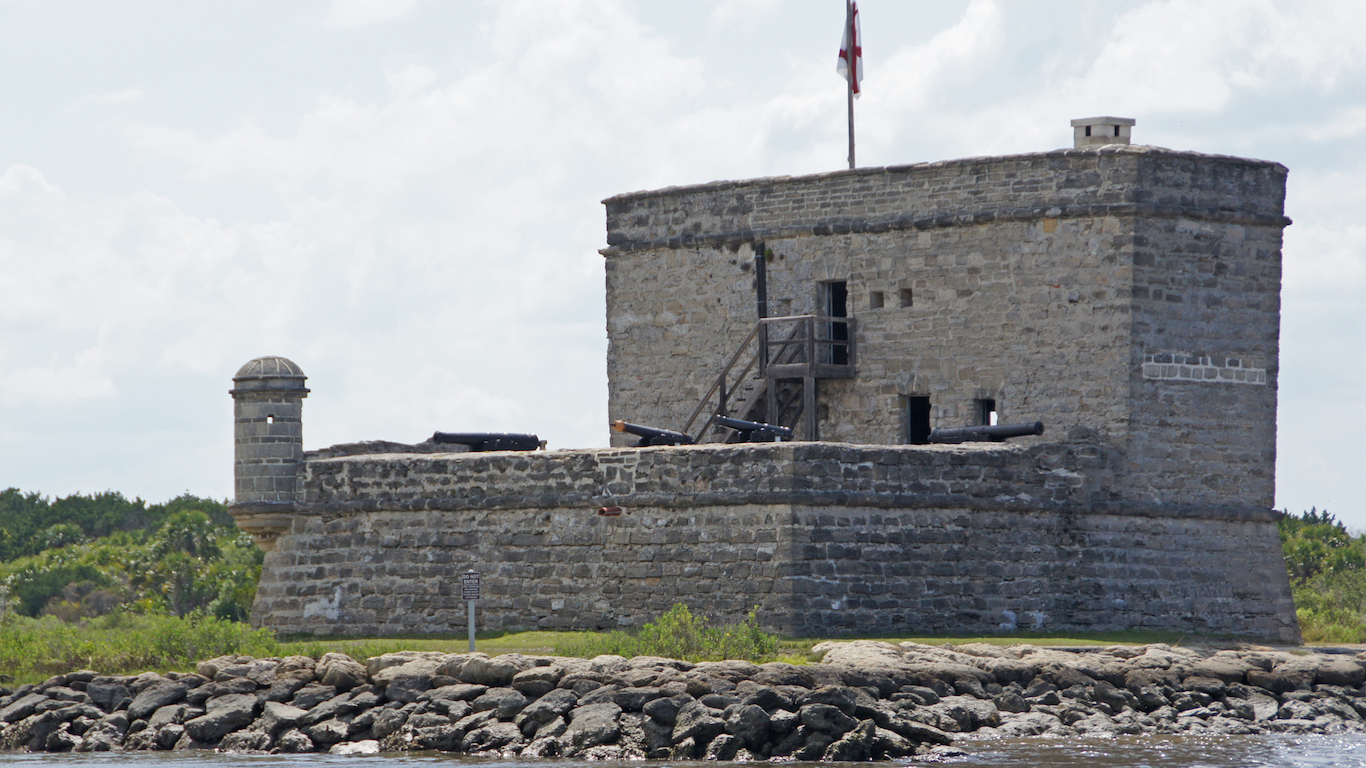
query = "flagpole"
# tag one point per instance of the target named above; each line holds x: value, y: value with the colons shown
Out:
x: 851, y: 58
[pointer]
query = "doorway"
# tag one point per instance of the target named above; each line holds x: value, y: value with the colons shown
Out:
x: 835, y: 303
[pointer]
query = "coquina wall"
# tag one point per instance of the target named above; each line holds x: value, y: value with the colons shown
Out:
x: 821, y: 538
x: 1050, y: 283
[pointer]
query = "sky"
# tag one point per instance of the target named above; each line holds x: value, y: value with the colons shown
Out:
x: 403, y: 196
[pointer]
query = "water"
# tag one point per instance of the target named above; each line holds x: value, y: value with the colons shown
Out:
x: 1130, y: 751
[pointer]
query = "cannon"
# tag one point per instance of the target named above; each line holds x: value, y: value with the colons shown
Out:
x: 651, y: 435
x: 994, y: 433
x: 490, y: 441
x: 754, y: 431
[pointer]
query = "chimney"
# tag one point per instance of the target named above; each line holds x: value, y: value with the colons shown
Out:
x: 1090, y: 131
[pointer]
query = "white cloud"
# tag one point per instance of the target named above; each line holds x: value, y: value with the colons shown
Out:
x: 742, y: 11
x: 1346, y: 123
x: 121, y: 96
x: 360, y: 13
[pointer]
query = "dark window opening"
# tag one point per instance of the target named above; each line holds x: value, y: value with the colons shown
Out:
x: 876, y: 300
x: 986, y: 412
x: 837, y: 305
x: 918, y: 419
x: 1116, y: 130
x: 906, y: 297
x: 1088, y: 130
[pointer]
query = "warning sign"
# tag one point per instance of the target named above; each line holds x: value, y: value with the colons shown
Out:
x: 469, y: 585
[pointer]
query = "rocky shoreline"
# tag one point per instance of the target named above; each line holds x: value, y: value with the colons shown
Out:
x: 865, y: 700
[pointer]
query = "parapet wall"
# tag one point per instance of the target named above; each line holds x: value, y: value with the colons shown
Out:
x: 1095, y: 182
x: 821, y: 538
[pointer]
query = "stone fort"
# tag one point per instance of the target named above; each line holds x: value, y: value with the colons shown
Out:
x: 1127, y: 297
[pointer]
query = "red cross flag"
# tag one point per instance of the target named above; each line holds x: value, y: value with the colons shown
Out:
x: 851, y: 50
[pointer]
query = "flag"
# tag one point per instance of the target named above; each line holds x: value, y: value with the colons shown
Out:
x: 851, y: 49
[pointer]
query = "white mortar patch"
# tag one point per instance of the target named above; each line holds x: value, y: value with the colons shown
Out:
x: 1179, y: 366
x: 328, y: 609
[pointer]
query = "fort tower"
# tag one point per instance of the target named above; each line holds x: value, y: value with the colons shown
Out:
x: 268, y: 439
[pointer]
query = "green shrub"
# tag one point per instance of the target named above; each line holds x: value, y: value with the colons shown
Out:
x: 1327, y: 569
x: 678, y: 634
x: 188, y: 563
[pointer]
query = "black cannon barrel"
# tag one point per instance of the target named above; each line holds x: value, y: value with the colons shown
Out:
x: 755, y: 431
x: 652, y: 435
x: 994, y: 433
x: 490, y: 441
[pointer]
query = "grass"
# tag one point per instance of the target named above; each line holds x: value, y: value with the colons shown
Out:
x: 34, y: 649
x: 678, y: 634
x: 492, y: 643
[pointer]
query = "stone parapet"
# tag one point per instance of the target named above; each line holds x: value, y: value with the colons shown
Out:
x: 1091, y: 182
x: 967, y: 476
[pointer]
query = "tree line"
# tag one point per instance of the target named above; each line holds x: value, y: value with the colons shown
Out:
x: 83, y: 556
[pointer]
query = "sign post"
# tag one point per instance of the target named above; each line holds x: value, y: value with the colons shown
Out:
x: 469, y: 592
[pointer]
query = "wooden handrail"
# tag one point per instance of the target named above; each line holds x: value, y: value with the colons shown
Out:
x: 721, y: 380
x: 808, y: 341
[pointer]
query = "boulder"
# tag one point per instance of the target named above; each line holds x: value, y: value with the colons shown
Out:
x: 665, y: 710
x: 339, y: 671
x: 841, y: 697
x: 328, y: 732
x: 225, y: 715
x: 491, y: 737
x: 1284, y: 678
x: 259, y: 671
x: 337, y: 705
x: 968, y: 712
x: 723, y: 747
x: 505, y: 702
x: 285, y: 686
x: 890, y: 745
x: 542, y: 747
x: 362, y: 747
x: 275, y: 716
x: 312, y: 695
x: 1341, y: 671
x: 209, y: 669
x: 537, y: 681
x: 496, y: 672
x: 249, y: 740
x: 29, y: 734
x: 1222, y: 667
x: 294, y: 741
x: 388, y: 720
x: 153, y: 698
x: 545, y: 709
x: 635, y: 699
x: 919, y: 732
x: 855, y: 746
x: 456, y: 692
x: 171, y: 713
x: 106, y: 692
x: 698, y: 722
x: 21, y: 708
x: 780, y: 673
x: 749, y: 723
x: 590, y: 726
x: 826, y: 718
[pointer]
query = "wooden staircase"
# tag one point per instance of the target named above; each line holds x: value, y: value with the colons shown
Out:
x: 784, y: 358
